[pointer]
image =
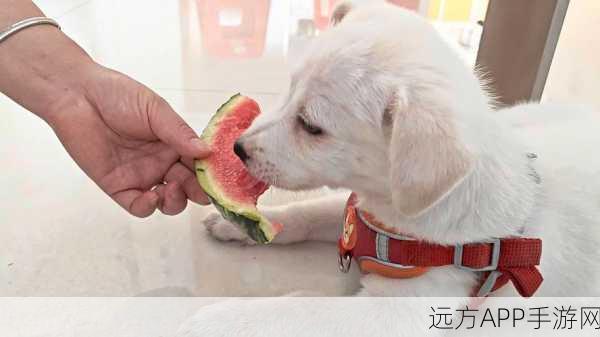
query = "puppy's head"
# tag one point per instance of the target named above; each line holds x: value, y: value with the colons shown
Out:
x: 369, y: 111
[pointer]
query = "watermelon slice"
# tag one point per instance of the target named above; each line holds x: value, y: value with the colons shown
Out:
x: 224, y: 177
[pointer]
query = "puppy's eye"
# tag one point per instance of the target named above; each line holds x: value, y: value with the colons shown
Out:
x: 311, y: 129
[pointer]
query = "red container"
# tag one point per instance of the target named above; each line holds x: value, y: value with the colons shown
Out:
x: 323, y: 11
x: 234, y: 28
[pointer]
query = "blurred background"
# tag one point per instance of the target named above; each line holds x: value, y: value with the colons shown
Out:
x: 61, y: 236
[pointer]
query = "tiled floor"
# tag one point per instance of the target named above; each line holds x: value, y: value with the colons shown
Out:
x: 61, y: 236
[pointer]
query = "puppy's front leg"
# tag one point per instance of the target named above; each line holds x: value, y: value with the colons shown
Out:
x: 316, y: 219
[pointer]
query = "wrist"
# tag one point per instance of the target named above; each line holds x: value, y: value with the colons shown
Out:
x: 43, y: 70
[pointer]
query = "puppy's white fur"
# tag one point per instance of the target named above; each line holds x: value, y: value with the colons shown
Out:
x: 407, y: 126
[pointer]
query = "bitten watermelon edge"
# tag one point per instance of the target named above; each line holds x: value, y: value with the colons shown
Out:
x: 224, y: 177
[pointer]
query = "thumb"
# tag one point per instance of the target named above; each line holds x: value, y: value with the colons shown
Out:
x: 171, y: 129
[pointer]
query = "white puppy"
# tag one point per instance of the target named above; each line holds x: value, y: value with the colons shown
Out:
x: 382, y: 106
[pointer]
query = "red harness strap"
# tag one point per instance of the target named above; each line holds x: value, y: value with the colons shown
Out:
x: 389, y: 254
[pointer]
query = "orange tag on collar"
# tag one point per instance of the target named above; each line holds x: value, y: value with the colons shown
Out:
x: 349, y: 235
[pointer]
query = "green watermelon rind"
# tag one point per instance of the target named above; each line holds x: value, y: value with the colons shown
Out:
x: 246, y: 216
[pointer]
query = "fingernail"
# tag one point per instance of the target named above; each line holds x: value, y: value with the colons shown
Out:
x: 201, y: 146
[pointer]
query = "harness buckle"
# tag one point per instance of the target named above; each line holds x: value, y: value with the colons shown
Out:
x: 458, y: 257
x: 488, y: 284
x: 345, y: 262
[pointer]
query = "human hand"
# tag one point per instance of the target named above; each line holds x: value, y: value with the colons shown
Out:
x: 131, y: 143
x: 124, y: 136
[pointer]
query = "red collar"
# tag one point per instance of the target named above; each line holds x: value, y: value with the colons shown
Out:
x: 378, y: 250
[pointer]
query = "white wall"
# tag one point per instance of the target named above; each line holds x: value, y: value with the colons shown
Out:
x: 575, y: 73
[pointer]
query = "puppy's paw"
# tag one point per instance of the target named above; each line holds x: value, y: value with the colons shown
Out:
x: 224, y: 230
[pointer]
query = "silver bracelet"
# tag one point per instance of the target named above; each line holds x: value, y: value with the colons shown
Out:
x: 24, y: 24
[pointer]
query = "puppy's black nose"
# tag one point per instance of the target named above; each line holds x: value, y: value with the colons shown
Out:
x: 238, y: 149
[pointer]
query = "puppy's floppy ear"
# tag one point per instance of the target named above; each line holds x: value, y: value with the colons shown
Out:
x: 340, y: 11
x: 427, y: 160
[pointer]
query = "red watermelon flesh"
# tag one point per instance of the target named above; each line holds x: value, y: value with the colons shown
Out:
x: 229, y: 170
x: 224, y: 177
